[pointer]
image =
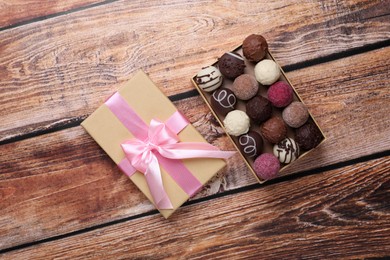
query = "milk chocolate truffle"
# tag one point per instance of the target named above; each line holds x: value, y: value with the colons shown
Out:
x: 236, y: 123
x: 245, y: 86
x: 274, y: 130
x: 259, y: 109
x: 223, y: 101
x: 209, y: 78
x: 266, y: 166
x: 287, y: 150
x: 250, y: 144
x: 231, y: 65
x: 254, y: 47
x: 280, y: 94
x: 295, y: 114
x: 267, y: 72
x: 308, y: 136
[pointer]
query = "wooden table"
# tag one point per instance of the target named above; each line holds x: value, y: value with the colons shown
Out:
x: 62, y: 197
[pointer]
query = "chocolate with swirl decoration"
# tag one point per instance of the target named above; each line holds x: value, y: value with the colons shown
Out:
x: 223, y: 101
x: 209, y: 78
x: 287, y: 150
x: 250, y: 144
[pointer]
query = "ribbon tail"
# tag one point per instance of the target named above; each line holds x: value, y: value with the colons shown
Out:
x: 193, y: 150
x: 154, y: 180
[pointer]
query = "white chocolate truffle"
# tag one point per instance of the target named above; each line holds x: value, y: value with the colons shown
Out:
x: 236, y: 123
x: 267, y: 72
x: 287, y: 150
x: 209, y: 78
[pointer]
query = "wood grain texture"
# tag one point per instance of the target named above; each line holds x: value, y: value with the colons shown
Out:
x: 340, y: 214
x: 18, y: 11
x: 61, y: 182
x: 62, y: 68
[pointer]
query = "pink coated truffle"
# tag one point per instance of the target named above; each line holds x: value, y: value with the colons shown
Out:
x: 280, y: 94
x: 267, y: 166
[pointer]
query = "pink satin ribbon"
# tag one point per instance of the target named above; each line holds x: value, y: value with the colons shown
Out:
x: 158, y: 144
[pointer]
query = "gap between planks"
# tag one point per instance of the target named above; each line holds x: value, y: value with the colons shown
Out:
x: 76, y: 121
x: 283, y: 179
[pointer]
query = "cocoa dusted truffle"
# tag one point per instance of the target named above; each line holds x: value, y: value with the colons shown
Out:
x: 295, y: 114
x: 274, y: 130
x: 250, y: 144
x: 259, y: 109
x: 223, y: 101
x: 280, y: 94
x: 254, y: 47
x: 209, y: 78
x: 231, y: 65
x: 308, y: 136
x: 266, y: 166
x: 245, y: 86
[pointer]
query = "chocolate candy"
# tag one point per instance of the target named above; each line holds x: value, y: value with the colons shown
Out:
x: 223, y: 101
x: 231, y: 65
x: 287, y: 150
x: 308, y: 136
x: 259, y: 109
x: 245, y: 86
x: 209, y: 78
x: 266, y: 166
x: 295, y: 114
x: 254, y: 47
x: 280, y: 94
x: 267, y: 72
x: 250, y: 144
x: 236, y: 123
x: 274, y: 130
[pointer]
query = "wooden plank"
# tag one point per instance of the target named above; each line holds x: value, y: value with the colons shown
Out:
x: 20, y: 11
x: 340, y: 214
x: 64, y: 67
x: 61, y: 182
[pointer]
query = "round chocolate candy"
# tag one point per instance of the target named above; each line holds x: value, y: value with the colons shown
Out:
x: 245, y: 86
x: 250, y: 144
x: 295, y: 114
x: 287, y: 150
x: 266, y: 166
x: 209, y: 78
x: 280, y: 94
x: 231, y: 65
x: 254, y: 47
x: 308, y: 136
x: 236, y: 123
x: 267, y: 72
x: 259, y: 109
x: 274, y: 130
x: 223, y: 101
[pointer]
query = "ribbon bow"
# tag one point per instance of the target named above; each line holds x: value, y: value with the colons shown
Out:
x: 162, y: 143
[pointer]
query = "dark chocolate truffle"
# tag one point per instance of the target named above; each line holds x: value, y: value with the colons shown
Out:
x: 254, y: 47
x: 245, y: 86
x: 274, y: 130
x: 295, y: 115
x: 250, y: 144
x: 259, y: 109
x: 231, y: 65
x: 308, y: 136
x: 223, y: 101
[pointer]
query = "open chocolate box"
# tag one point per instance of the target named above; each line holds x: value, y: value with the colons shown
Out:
x: 241, y: 105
